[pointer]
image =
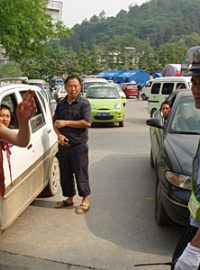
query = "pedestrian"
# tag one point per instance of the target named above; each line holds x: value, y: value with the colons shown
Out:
x: 139, y: 88
x: 72, y: 119
x: 188, y: 248
x: 25, y: 110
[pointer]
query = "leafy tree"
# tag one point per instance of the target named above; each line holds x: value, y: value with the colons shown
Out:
x: 10, y: 69
x: 26, y: 26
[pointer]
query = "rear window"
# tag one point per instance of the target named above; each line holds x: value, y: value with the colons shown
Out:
x: 131, y: 85
x: 167, y: 88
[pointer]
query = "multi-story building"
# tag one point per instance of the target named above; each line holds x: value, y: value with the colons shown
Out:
x: 55, y: 10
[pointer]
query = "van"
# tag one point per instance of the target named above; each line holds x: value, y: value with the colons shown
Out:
x: 146, y: 90
x: 162, y: 87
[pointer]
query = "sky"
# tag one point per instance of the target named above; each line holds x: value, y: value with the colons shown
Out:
x: 75, y: 11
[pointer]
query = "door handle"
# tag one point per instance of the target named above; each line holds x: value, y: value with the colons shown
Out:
x: 29, y: 146
x: 49, y: 131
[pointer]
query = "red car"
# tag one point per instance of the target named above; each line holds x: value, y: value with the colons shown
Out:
x: 130, y: 89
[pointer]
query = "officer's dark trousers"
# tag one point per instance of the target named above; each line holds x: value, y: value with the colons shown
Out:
x: 185, y: 239
x: 73, y: 162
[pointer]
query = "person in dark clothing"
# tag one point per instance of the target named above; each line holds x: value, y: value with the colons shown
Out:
x: 139, y: 88
x: 72, y: 119
x: 187, y: 251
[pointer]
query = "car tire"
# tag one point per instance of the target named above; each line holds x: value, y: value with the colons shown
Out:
x: 160, y: 215
x: 143, y: 97
x: 54, y: 179
x: 152, y: 112
x: 151, y: 160
x: 121, y: 124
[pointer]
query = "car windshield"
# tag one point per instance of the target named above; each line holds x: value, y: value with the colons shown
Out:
x: 102, y: 93
x: 86, y: 85
x: 186, y: 119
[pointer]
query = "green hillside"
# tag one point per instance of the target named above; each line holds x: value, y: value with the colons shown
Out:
x: 153, y: 23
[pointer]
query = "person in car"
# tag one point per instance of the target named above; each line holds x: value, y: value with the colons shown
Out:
x: 188, y: 248
x: 72, y: 119
x: 25, y: 110
x: 165, y: 109
x: 5, y: 115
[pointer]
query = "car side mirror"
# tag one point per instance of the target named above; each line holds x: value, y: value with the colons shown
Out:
x: 154, y: 122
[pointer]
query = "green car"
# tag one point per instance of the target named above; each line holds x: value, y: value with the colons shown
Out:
x: 107, y: 105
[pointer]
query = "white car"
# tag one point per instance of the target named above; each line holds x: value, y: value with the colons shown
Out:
x: 34, y: 168
x: 146, y: 90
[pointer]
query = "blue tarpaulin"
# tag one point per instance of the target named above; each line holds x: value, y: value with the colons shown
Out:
x: 133, y: 75
x: 109, y: 74
x: 123, y: 76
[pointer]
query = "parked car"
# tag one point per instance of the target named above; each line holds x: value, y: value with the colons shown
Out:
x: 54, y: 83
x: 146, y: 90
x: 45, y: 91
x: 35, y: 168
x: 121, y: 93
x: 107, y: 105
x: 59, y: 93
x: 173, y: 147
x: 130, y: 89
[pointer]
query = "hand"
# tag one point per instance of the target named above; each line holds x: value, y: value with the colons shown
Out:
x: 26, y: 109
x: 189, y: 260
x: 63, y: 140
x: 60, y: 123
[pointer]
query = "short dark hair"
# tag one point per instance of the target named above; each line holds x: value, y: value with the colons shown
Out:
x: 4, y: 106
x: 71, y: 77
x: 166, y: 102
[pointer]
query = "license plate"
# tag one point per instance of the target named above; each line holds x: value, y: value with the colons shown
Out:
x: 103, y: 114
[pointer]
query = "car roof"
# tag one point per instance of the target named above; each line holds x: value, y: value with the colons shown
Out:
x: 36, y: 81
x: 173, y: 78
x: 94, y: 80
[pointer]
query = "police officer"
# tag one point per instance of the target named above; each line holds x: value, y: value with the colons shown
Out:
x: 188, y: 248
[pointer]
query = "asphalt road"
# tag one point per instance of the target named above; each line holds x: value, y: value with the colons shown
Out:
x: 118, y: 231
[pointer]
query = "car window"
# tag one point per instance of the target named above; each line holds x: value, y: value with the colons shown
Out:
x: 167, y: 88
x: 10, y: 101
x: 38, y: 120
x: 186, y: 118
x: 155, y: 88
x: 102, y: 93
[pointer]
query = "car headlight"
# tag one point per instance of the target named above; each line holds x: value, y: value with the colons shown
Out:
x: 117, y: 106
x: 178, y: 180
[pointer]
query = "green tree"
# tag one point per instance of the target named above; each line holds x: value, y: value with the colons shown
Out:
x: 10, y: 69
x: 26, y: 26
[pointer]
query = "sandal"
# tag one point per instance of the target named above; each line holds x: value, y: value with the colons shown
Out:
x: 62, y: 204
x: 82, y: 208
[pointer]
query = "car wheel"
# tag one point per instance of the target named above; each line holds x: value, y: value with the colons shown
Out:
x: 151, y: 160
x: 143, y: 97
x: 160, y: 215
x: 54, y: 179
x: 152, y: 112
x: 121, y: 124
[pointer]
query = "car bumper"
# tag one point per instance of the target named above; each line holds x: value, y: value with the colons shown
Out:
x: 107, y: 116
x: 175, y: 204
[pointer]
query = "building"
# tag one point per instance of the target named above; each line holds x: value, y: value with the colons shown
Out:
x: 55, y: 10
